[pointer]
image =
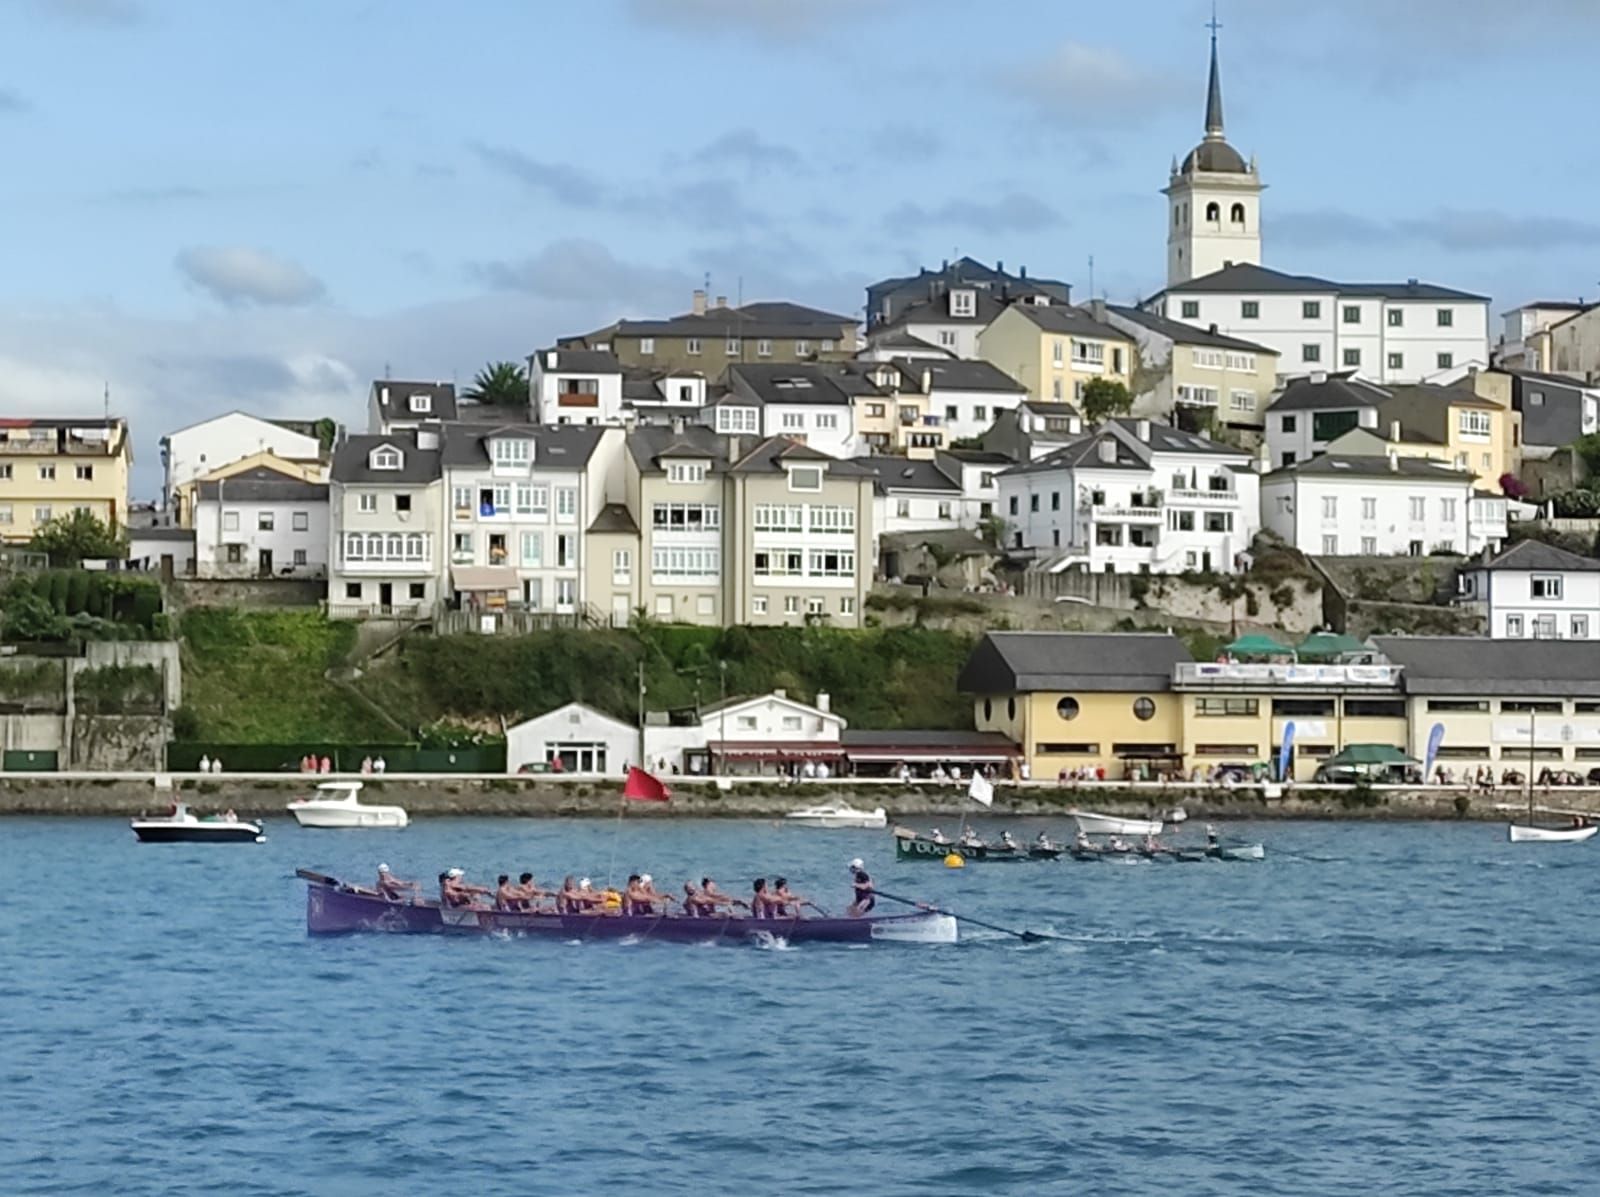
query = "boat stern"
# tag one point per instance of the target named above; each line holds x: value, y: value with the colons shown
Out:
x: 933, y: 927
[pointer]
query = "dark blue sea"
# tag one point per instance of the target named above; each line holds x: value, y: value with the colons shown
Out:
x: 1403, y: 1009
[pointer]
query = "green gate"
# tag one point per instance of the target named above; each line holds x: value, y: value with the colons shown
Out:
x: 29, y: 760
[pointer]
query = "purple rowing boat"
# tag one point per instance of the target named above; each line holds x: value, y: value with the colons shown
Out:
x: 335, y: 908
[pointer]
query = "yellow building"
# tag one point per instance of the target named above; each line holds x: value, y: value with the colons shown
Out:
x: 50, y: 468
x: 1074, y: 699
x: 1055, y: 349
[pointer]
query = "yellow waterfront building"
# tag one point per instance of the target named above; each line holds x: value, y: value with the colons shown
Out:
x: 53, y: 467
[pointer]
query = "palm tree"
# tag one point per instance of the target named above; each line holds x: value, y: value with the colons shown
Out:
x: 500, y: 384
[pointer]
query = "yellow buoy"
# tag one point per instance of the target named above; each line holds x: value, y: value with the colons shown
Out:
x: 955, y: 861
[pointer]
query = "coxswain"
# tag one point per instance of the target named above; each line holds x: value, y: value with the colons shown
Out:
x: 391, y: 887
x: 1117, y: 844
x: 865, y: 899
x: 783, y: 903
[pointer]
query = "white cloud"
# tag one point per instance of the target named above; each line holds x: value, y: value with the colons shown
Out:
x: 747, y: 149
x: 1093, y: 87
x: 582, y: 271
x: 238, y: 275
x: 1012, y: 212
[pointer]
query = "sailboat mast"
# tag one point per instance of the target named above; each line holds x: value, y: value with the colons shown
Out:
x: 1533, y: 720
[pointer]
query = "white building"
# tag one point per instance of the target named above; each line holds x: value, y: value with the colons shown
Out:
x: 580, y: 738
x: 1525, y: 334
x: 1376, y: 506
x: 1313, y: 411
x: 260, y: 523
x: 575, y: 386
x: 1535, y: 590
x: 1134, y: 497
x: 386, y: 524
x: 966, y: 397
x: 519, y: 499
x: 1213, y: 200
x: 1390, y: 332
x: 914, y: 495
x: 977, y: 472
x: 1033, y: 430
x: 760, y: 734
x: 950, y: 321
x: 801, y: 401
x: 395, y: 406
x: 198, y: 449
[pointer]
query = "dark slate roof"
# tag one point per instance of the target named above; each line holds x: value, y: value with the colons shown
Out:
x: 578, y: 361
x: 1069, y: 320
x: 1335, y: 393
x: 556, y: 446
x: 263, y: 485
x: 1455, y: 394
x: 1375, y: 466
x: 1166, y: 439
x: 1475, y: 666
x: 774, y: 319
x: 904, y: 473
x: 649, y: 442
x: 937, y: 309
x: 796, y: 383
x: 614, y: 517
x: 442, y: 396
x: 1243, y: 277
x: 1040, y: 407
x: 1536, y: 555
x: 1019, y: 662
x: 418, y: 467
x: 1187, y: 334
x: 161, y: 533
x: 771, y: 454
x: 1216, y: 156
x: 960, y: 375
x: 976, y: 456
x: 899, y: 338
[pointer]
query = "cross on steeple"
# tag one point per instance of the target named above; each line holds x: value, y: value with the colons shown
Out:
x: 1214, y: 89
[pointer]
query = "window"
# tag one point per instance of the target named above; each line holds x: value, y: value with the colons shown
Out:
x: 386, y: 458
x: 264, y: 521
x: 737, y: 419
x: 1418, y: 509
x: 1445, y: 317
x: 1013, y: 505
x: 952, y: 412
x: 802, y: 348
x: 1249, y: 309
x: 301, y: 521
x: 690, y: 561
x: 805, y: 478
x: 1352, y: 313
x: 647, y: 345
x: 1311, y: 352
x: 692, y: 348
x: 827, y: 345
x: 815, y: 606
x: 1330, y: 507
x: 418, y: 591
x: 763, y: 348
x: 779, y: 517
x: 833, y: 563
x: 5, y: 472
x: 1397, y: 318
x: 1055, y: 500
x: 1091, y: 353
x: 1219, y: 521
x: 1289, y: 424
x: 230, y: 521
x: 827, y: 419
x: 235, y: 554
x: 1296, y: 707
x: 47, y: 473
x: 758, y: 605
x: 621, y: 566
x: 1352, y: 357
x: 510, y: 452
x: 944, y: 509
x: 299, y: 556
x: 1546, y: 586
x: 566, y: 592
x: 1369, y: 508
x: 732, y: 347
x: 1068, y: 708
x: 41, y: 515
x: 1458, y: 704
x: 1473, y: 423
x: 84, y: 473
x: 352, y: 590
x: 1236, y: 214
x: 847, y: 604
x: 566, y: 550
x: 1065, y: 749
x: 566, y: 504
x: 963, y: 303
x: 1397, y: 361
x: 1580, y: 627
x: 1033, y: 502
x: 686, y: 517
x: 1326, y: 425
x: 1445, y: 360
x: 1514, y: 626
x: 1191, y: 309
x: 532, y: 550
x: 1369, y: 546
x: 461, y: 548
x: 791, y: 604
x: 1311, y: 309
x: 1056, y: 352
x: 1213, y: 708
x: 686, y: 471
x: 1144, y: 709
x: 1447, y: 511
x: 366, y: 502
x: 1179, y: 521
x: 1214, y: 212
x: 5, y: 514
x: 1376, y: 708
x: 947, y: 339
x: 1330, y: 545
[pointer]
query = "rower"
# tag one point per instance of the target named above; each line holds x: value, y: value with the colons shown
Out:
x: 938, y: 837
x: 1151, y: 845
x: 1006, y: 840
x: 1042, y: 840
x: 692, y: 903
x: 971, y: 839
x: 712, y: 897
x: 454, y: 890
x: 506, y: 895
x: 783, y: 903
x: 760, y: 903
x: 641, y: 897
x: 1082, y: 842
x: 528, y: 893
x: 865, y: 899
x: 1117, y: 844
x: 391, y: 887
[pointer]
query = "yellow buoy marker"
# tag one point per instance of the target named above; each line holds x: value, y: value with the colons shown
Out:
x: 955, y: 861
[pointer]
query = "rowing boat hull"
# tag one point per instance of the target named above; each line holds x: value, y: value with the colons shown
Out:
x: 334, y: 909
x: 1523, y: 833
x: 927, y: 850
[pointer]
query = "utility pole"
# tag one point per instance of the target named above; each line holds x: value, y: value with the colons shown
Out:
x: 643, y: 761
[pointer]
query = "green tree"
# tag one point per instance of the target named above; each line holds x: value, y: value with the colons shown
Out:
x: 1103, y: 398
x: 68, y: 539
x: 500, y: 384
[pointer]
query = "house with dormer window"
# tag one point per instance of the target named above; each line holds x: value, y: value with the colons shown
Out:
x: 1534, y: 591
x: 385, y: 524
x: 394, y: 406
x: 575, y: 386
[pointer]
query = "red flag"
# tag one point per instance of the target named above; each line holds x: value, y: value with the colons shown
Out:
x: 644, y: 787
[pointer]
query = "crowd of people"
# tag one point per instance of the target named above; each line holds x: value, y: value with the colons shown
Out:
x: 639, y: 897
x: 312, y: 763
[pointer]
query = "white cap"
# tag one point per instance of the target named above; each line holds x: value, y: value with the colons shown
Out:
x: 645, y: 879
x: 383, y: 868
x: 453, y: 873
x: 856, y: 863
x: 584, y: 884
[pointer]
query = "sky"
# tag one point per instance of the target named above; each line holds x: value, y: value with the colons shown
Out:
x: 210, y: 205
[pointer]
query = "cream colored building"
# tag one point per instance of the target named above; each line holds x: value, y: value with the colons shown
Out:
x: 51, y: 468
x: 1055, y: 350
x: 1192, y: 372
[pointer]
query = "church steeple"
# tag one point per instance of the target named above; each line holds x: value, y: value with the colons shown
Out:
x: 1214, y: 89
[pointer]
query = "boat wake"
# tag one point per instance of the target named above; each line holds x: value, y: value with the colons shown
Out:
x: 766, y: 941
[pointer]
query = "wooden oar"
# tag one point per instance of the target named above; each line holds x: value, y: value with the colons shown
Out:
x: 1024, y: 936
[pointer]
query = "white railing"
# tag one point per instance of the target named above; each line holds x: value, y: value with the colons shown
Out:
x: 1213, y: 672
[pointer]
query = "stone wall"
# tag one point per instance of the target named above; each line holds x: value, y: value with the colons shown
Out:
x: 248, y: 592
x: 118, y: 742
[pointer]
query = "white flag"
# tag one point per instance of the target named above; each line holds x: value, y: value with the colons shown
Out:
x: 980, y: 790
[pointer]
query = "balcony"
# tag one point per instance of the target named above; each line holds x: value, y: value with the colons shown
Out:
x: 1140, y: 514
x: 1227, y: 498
x: 578, y: 399
x: 1220, y: 673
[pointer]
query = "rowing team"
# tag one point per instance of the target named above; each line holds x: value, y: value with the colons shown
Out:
x: 639, y: 897
x: 971, y: 839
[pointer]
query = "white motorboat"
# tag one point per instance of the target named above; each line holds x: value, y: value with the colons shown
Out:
x: 838, y: 814
x: 1526, y: 833
x: 1093, y: 824
x: 337, y: 805
x: 181, y: 826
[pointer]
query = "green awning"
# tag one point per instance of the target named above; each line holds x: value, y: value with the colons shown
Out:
x: 1258, y: 644
x: 1369, y: 754
x: 1325, y: 646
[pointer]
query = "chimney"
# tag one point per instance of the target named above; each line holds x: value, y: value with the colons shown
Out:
x: 735, y: 448
x: 824, y: 702
x: 427, y: 436
x: 1142, y: 430
x: 1213, y: 329
x: 1022, y: 272
x: 1097, y: 309
x: 1412, y: 283
x: 550, y: 360
x: 1394, y: 463
x: 722, y: 301
x: 780, y: 694
x: 1107, y: 448
x: 999, y: 266
x: 1319, y: 376
x: 1394, y: 430
x: 927, y: 381
x: 699, y: 302
x: 677, y: 425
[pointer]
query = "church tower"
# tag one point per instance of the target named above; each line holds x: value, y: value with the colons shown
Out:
x: 1213, y: 199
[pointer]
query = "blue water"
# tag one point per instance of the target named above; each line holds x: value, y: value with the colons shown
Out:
x: 1412, y: 1012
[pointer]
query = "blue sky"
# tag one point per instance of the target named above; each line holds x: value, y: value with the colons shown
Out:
x: 211, y: 204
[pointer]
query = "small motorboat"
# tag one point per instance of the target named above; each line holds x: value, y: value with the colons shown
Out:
x: 837, y: 814
x: 1092, y: 824
x: 1529, y: 833
x: 337, y: 805
x: 181, y: 826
